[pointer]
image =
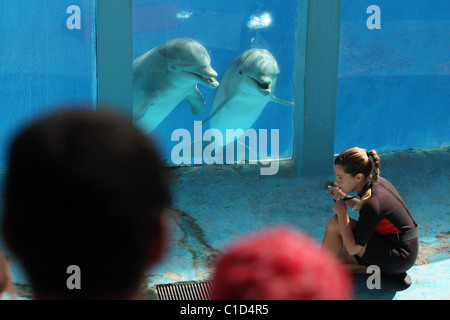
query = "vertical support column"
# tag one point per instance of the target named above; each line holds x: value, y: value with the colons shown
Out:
x: 317, y: 54
x: 114, y: 55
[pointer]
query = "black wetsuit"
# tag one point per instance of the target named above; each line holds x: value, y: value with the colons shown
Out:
x: 383, y: 220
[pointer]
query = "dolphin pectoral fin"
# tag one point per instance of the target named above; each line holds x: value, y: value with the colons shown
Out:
x: 196, y: 101
x: 281, y: 101
x: 219, y: 107
x: 140, y: 111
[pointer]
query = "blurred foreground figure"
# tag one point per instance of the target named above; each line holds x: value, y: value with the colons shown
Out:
x: 7, y: 290
x: 279, y: 263
x: 84, y: 202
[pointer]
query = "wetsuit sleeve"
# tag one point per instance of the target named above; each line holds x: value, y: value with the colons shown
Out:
x: 369, y: 217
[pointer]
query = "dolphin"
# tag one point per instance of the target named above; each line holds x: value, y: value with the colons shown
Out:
x: 247, y: 85
x: 167, y: 74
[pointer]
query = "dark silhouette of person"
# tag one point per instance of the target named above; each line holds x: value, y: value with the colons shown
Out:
x: 85, y: 188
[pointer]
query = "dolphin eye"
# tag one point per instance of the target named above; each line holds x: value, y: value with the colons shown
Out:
x: 240, y: 71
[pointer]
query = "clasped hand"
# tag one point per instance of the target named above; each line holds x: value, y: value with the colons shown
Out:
x: 339, y: 206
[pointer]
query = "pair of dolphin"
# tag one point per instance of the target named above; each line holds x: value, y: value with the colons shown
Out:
x: 169, y: 73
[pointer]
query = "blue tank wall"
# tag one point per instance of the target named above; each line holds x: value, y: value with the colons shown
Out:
x: 394, y: 82
x: 47, y: 58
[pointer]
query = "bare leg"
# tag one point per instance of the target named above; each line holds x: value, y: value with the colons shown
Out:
x: 332, y: 241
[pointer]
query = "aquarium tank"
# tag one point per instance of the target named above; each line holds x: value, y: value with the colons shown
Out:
x: 214, y: 82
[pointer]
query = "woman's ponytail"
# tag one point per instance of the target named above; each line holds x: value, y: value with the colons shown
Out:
x: 372, y: 177
x: 375, y: 161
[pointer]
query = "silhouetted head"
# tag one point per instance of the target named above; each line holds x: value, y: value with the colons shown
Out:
x: 84, y: 188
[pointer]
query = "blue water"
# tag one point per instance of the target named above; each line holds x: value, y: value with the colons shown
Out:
x: 225, y: 29
x: 393, y: 82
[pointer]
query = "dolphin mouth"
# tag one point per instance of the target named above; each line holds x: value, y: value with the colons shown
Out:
x: 264, y: 86
x: 210, y: 82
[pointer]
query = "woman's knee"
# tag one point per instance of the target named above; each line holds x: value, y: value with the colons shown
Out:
x: 333, y: 224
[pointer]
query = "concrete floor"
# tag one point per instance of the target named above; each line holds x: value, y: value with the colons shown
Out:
x: 215, y: 204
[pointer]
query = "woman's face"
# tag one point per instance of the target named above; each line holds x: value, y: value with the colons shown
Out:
x: 344, y: 180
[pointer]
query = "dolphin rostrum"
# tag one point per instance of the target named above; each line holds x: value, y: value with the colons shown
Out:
x: 246, y: 86
x: 166, y: 75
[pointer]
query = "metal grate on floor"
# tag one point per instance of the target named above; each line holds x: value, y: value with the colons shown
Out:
x: 188, y: 290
